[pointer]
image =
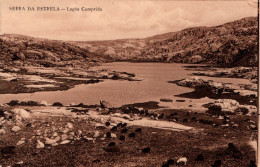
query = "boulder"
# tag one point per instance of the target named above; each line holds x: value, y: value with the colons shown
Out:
x: 16, y: 128
x: 65, y: 142
x: 104, y: 104
x: 182, y: 161
x: 113, y: 135
x: 20, y: 142
x: 49, y: 141
x: 2, y: 132
x: 21, y: 114
x: 64, y: 137
x: 116, y: 115
x: 227, y: 104
x: 125, y: 116
x: 96, y: 134
x: 69, y: 125
x: 39, y: 144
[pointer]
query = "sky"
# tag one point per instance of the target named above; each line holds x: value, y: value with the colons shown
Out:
x: 118, y: 19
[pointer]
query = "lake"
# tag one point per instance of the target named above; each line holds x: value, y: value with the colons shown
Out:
x: 117, y: 92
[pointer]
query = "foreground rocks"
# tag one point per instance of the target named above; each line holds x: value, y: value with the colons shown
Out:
x: 102, y: 136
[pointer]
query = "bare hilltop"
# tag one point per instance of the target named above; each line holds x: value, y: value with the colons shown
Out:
x: 230, y: 44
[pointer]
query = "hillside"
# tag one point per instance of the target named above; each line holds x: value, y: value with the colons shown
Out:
x: 20, y: 49
x: 230, y: 44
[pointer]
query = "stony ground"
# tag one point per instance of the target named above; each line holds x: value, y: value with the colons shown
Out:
x: 56, y: 136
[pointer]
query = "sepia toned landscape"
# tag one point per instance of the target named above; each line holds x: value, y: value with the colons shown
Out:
x: 182, y: 98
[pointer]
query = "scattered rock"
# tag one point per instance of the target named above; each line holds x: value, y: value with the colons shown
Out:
x: 69, y: 125
x: 16, y: 128
x: 79, y: 133
x: 38, y: 132
x: 20, y: 142
x: 39, y: 144
x: 65, y: 142
x: 49, y: 141
x: 125, y: 116
x: 101, y: 126
x: 182, y: 161
x: 21, y: 114
x: 235, y: 126
x: 65, y: 130
x: 104, y: 104
x: 2, y: 132
x: 253, y: 127
x: 113, y: 135
x: 55, y: 134
x: 116, y: 115
x: 96, y: 134
x: 64, y: 137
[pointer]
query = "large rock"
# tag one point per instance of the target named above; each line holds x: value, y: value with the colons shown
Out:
x: 105, y: 104
x: 2, y: 132
x: 20, y: 142
x: 39, y: 144
x: 69, y: 125
x: 227, y: 104
x: 65, y: 142
x: 49, y: 141
x: 16, y: 128
x: 21, y: 114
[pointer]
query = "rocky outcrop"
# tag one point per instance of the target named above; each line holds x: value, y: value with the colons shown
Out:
x: 217, y: 87
x: 232, y: 106
x: 236, y: 72
x: 218, y: 90
x: 48, y: 53
x: 230, y: 44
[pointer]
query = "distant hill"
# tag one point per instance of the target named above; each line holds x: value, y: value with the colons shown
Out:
x: 24, y: 49
x: 230, y: 44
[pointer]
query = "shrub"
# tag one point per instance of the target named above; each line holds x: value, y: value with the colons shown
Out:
x: 57, y: 104
x: 13, y: 103
x: 215, y: 110
x: 243, y: 110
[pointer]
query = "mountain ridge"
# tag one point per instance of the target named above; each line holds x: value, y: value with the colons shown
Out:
x: 229, y: 44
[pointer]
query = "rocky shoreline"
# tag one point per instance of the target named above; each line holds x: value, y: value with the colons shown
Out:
x: 35, y: 78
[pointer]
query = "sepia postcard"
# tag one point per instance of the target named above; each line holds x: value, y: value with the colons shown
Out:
x: 129, y: 83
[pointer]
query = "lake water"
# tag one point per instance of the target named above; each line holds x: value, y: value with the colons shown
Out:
x: 153, y: 87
